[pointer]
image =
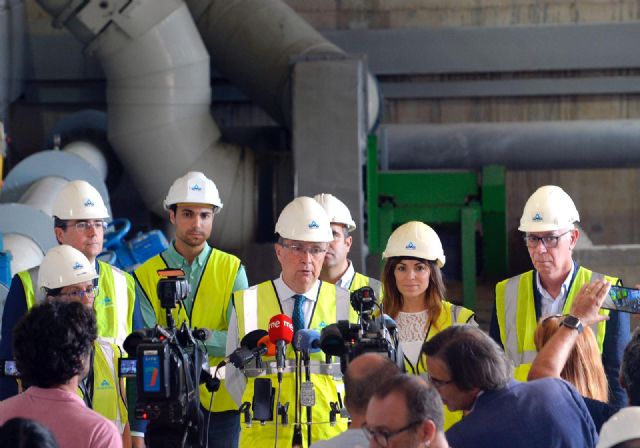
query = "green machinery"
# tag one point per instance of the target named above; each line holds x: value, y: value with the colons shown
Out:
x: 474, y: 200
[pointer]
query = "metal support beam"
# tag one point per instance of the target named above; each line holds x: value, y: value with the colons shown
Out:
x: 328, y: 133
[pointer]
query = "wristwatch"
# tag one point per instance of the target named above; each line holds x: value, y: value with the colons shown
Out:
x: 572, y: 322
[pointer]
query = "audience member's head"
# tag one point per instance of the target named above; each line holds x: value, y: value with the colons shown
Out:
x: 405, y: 412
x: 53, y: 342
x: 584, y: 367
x: 462, y: 361
x: 622, y: 430
x: 630, y: 369
x: 25, y: 433
x: 363, y: 377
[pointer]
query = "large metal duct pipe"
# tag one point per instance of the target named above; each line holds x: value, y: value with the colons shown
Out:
x: 518, y: 146
x: 158, y: 94
x: 252, y: 42
x: 5, y: 20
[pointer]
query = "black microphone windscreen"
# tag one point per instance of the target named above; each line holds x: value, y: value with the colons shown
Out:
x: 332, y: 341
x: 250, y: 340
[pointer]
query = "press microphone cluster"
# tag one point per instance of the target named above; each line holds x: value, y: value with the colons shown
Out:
x: 250, y: 348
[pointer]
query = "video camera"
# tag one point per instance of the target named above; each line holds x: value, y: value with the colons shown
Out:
x: 169, y: 365
x: 370, y: 335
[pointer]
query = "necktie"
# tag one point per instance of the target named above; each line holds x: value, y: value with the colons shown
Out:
x: 298, y: 315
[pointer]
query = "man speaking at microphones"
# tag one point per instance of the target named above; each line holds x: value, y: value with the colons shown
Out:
x: 303, y: 233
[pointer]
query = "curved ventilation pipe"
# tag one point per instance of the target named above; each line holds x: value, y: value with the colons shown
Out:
x: 5, y: 41
x: 518, y: 146
x: 158, y: 94
x: 252, y: 43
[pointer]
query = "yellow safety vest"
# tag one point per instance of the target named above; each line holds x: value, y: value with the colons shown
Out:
x: 114, y: 303
x: 108, y: 400
x: 210, y: 304
x: 516, y: 313
x: 451, y: 314
x: 254, y: 308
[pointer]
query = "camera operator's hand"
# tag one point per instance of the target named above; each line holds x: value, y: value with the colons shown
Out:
x: 137, y: 442
x: 586, y: 305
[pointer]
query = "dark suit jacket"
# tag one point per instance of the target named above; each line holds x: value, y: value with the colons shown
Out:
x: 545, y: 413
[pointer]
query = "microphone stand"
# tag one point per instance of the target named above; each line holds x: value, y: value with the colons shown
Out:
x: 296, y: 442
x: 307, y: 375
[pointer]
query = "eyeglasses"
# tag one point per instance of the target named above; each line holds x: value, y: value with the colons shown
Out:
x: 79, y: 294
x: 300, y: 250
x: 435, y: 382
x: 382, y: 437
x: 549, y: 241
x: 83, y: 226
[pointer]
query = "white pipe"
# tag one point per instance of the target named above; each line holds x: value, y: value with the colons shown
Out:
x: 26, y: 253
x: 41, y: 194
x: 252, y: 42
x: 91, y: 153
x: 158, y: 94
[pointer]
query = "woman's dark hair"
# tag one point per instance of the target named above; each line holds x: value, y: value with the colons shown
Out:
x: 52, y: 342
x: 393, y: 300
x: 25, y: 433
x: 472, y: 357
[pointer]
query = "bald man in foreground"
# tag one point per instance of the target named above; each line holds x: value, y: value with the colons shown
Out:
x: 363, y: 377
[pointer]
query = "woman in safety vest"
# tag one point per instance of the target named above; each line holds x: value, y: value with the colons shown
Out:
x: 67, y: 275
x: 414, y: 295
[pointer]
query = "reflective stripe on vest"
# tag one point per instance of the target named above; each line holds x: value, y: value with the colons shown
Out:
x: 29, y: 280
x: 328, y: 307
x: 108, y: 399
x: 210, y: 304
x: 515, y: 310
x: 449, y: 315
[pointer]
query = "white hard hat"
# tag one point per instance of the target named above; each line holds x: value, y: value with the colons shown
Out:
x: 303, y: 219
x: 336, y: 210
x: 415, y: 239
x: 79, y: 200
x: 193, y: 188
x: 621, y: 427
x: 64, y: 266
x: 549, y: 208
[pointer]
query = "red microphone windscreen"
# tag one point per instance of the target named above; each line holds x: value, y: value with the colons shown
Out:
x: 266, y: 342
x: 281, y: 328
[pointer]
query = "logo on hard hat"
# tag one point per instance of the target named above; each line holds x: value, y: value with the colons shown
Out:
x: 89, y: 203
x: 196, y: 187
x: 313, y: 225
x: 537, y: 217
x: 411, y: 246
x: 77, y: 266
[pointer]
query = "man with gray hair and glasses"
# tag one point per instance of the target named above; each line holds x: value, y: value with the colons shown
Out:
x: 405, y: 412
x: 550, y: 234
x: 472, y: 374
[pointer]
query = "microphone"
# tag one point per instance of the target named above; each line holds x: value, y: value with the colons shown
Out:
x: 281, y: 334
x: 240, y: 357
x: 201, y: 334
x: 251, y: 339
x: 332, y: 341
x: 266, y: 343
x: 307, y: 341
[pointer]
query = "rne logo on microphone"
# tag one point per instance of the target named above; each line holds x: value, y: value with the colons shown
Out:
x: 274, y: 324
x: 288, y: 324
